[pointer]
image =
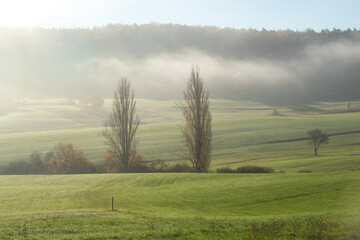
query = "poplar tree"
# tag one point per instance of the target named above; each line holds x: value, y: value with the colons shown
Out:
x: 123, y: 123
x: 197, y: 130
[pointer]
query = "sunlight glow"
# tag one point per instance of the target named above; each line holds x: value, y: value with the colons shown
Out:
x: 44, y: 13
x: 19, y: 13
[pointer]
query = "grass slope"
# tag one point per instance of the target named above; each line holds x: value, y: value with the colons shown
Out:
x: 184, y: 194
x: 180, y: 205
x: 320, y: 205
x: 243, y: 134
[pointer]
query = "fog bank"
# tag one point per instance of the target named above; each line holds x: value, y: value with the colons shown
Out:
x: 266, y: 66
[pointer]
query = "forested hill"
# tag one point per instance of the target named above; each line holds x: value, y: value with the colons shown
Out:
x: 268, y: 66
x: 142, y: 41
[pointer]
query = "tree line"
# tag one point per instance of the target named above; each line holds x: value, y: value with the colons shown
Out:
x: 83, y: 56
x: 62, y: 159
x: 139, y: 41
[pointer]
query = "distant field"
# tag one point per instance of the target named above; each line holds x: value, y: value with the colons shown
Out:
x: 243, y: 133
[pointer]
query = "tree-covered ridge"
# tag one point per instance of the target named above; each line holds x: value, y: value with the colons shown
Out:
x: 122, y: 41
x: 267, y: 66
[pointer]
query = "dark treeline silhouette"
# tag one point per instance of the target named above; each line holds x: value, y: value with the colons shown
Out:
x: 64, y: 159
x: 140, y: 41
x: 246, y: 169
x: 266, y: 66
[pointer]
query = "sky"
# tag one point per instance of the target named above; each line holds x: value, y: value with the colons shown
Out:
x: 255, y: 14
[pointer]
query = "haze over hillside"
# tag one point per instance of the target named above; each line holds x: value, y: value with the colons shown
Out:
x: 267, y: 66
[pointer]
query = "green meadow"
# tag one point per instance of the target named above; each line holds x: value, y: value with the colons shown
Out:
x: 181, y: 205
x: 244, y: 133
x: 323, y: 204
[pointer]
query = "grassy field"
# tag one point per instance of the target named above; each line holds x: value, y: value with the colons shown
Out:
x: 324, y: 204
x: 185, y: 194
x: 243, y: 133
x: 185, y: 204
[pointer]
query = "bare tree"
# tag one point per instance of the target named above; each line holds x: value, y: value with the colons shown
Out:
x: 316, y: 138
x: 348, y: 106
x: 123, y: 123
x: 197, y: 131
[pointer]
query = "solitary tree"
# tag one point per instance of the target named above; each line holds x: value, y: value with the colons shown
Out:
x: 197, y: 131
x: 316, y: 138
x: 122, y: 126
x: 348, y: 106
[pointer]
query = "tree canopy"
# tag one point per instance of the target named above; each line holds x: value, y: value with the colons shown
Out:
x: 316, y: 138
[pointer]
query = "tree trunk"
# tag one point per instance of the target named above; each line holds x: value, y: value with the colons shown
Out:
x: 315, y: 149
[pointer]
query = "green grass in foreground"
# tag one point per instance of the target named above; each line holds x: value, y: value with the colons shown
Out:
x: 238, y: 206
x: 115, y: 226
x: 184, y: 194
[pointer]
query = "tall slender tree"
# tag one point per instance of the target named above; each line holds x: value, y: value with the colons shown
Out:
x: 197, y: 130
x: 123, y: 123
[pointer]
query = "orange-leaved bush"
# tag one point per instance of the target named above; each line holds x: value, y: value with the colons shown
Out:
x: 113, y: 164
x: 67, y: 160
x: 110, y: 162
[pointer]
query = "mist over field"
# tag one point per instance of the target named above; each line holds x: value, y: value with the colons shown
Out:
x: 244, y: 164
x: 273, y: 67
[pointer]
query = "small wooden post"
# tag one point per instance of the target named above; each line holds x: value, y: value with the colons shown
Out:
x: 112, y: 203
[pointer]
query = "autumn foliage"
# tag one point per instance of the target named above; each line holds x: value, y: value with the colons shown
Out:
x: 113, y: 164
x: 66, y: 160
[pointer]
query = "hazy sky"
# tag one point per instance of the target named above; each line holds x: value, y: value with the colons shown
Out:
x: 258, y: 14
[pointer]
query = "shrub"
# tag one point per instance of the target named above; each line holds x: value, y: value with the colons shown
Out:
x: 254, y: 169
x: 110, y: 162
x: 161, y: 166
x: 158, y: 166
x: 97, y: 168
x: 275, y: 112
x: 67, y: 160
x: 51, y: 163
x: 137, y: 163
x: 181, y: 167
x: 18, y: 167
x: 246, y: 169
x: 37, y: 165
x: 34, y: 165
x: 48, y: 156
x: 224, y: 170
